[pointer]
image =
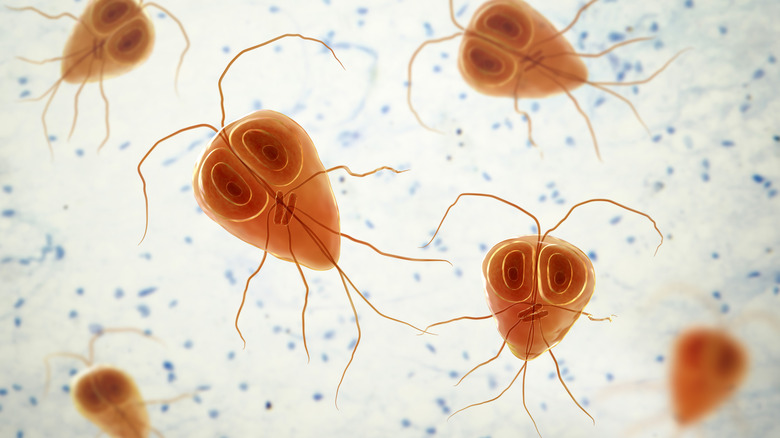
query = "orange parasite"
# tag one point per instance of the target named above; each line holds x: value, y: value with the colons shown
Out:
x: 511, y: 50
x: 110, y: 38
x: 262, y: 180
x: 536, y: 288
x: 109, y: 397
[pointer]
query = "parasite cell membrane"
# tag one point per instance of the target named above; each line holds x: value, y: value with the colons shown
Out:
x: 110, y: 38
x: 511, y: 50
x: 536, y: 287
x: 262, y: 180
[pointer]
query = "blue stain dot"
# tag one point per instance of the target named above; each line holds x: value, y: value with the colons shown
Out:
x: 73, y: 314
x: 430, y: 348
x: 19, y: 303
x: 616, y: 37
x: 615, y: 220
x: 369, y: 224
x: 119, y: 293
x: 758, y: 178
x: 727, y: 143
x: 362, y: 11
x: 656, y: 138
x: 431, y: 431
x: 225, y: 49
x: 689, y: 4
x: 654, y: 27
x: 3, y: 391
x: 17, y: 321
x: 24, y: 93
x: 124, y: 145
x: 715, y: 255
x: 79, y: 152
x: 168, y: 365
x: 147, y: 291
x: 405, y: 422
x: 593, y: 256
x: 723, y: 30
x: 8, y: 189
x: 144, y: 310
x: 610, y: 377
x: 8, y: 213
x: 243, y: 386
x: 291, y: 345
x: 317, y: 396
x: 187, y: 239
x: 95, y: 328
x: 59, y: 252
x: 659, y: 358
x: 231, y: 355
x: 385, y: 109
x: 758, y: 74
x: 80, y: 291
x: 213, y: 413
x: 273, y: 9
x: 188, y: 344
x: 22, y: 80
x: 716, y: 294
x: 724, y: 308
x: 754, y: 274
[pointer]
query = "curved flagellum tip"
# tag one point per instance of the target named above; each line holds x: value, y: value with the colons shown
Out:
x: 494, y: 398
x: 563, y: 31
x: 249, y: 49
x: 613, y: 203
x: 409, y: 77
x: 186, y: 42
x: 503, y: 344
x: 452, y: 17
x: 558, y: 370
x: 482, y: 195
x: 143, y: 180
x: 344, y: 280
x: 346, y: 169
x: 243, y: 295
x: 105, y: 100
x: 50, y: 17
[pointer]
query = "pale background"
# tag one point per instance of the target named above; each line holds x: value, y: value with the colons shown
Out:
x: 709, y: 175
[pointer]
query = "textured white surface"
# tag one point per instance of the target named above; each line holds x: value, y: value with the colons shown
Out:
x: 709, y: 175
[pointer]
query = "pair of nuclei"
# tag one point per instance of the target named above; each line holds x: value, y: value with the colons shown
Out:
x: 263, y: 181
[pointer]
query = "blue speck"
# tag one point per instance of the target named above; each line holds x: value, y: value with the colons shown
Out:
x: 317, y: 396
x: 758, y: 178
x: 213, y: 413
x: 758, y: 74
x: 119, y: 293
x: 8, y: 213
x: 147, y: 291
x: 143, y: 309
x: 243, y: 386
x: 168, y: 365
x: 615, y: 220
x: 362, y: 11
x: 754, y: 274
x: 430, y: 348
x: 689, y: 4
x: 659, y: 358
x: 73, y: 314
x: 19, y: 303
x: 616, y: 37
x: 592, y: 256
x: 80, y: 291
x: 727, y: 143
x: 273, y: 9
x: 405, y: 422
x: 716, y: 294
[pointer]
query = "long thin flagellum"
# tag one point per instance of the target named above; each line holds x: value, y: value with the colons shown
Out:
x: 613, y: 203
x: 243, y: 295
x: 105, y: 99
x: 494, y: 398
x: 409, y: 77
x: 186, y: 43
x: 558, y: 370
x: 503, y: 344
x: 483, y: 195
x: 140, y: 174
x: 346, y: 169
x: 565, y: 29
x: 249, y: 49
x: 471, y: 318
x: 305, y: 295
x: 49, y: 16
x: 452, y: 16
x: 357, y: 342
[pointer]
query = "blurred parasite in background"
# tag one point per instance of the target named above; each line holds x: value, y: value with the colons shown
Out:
x: 109, y: 397
x: 511, y: 50
x: 111, y: 38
